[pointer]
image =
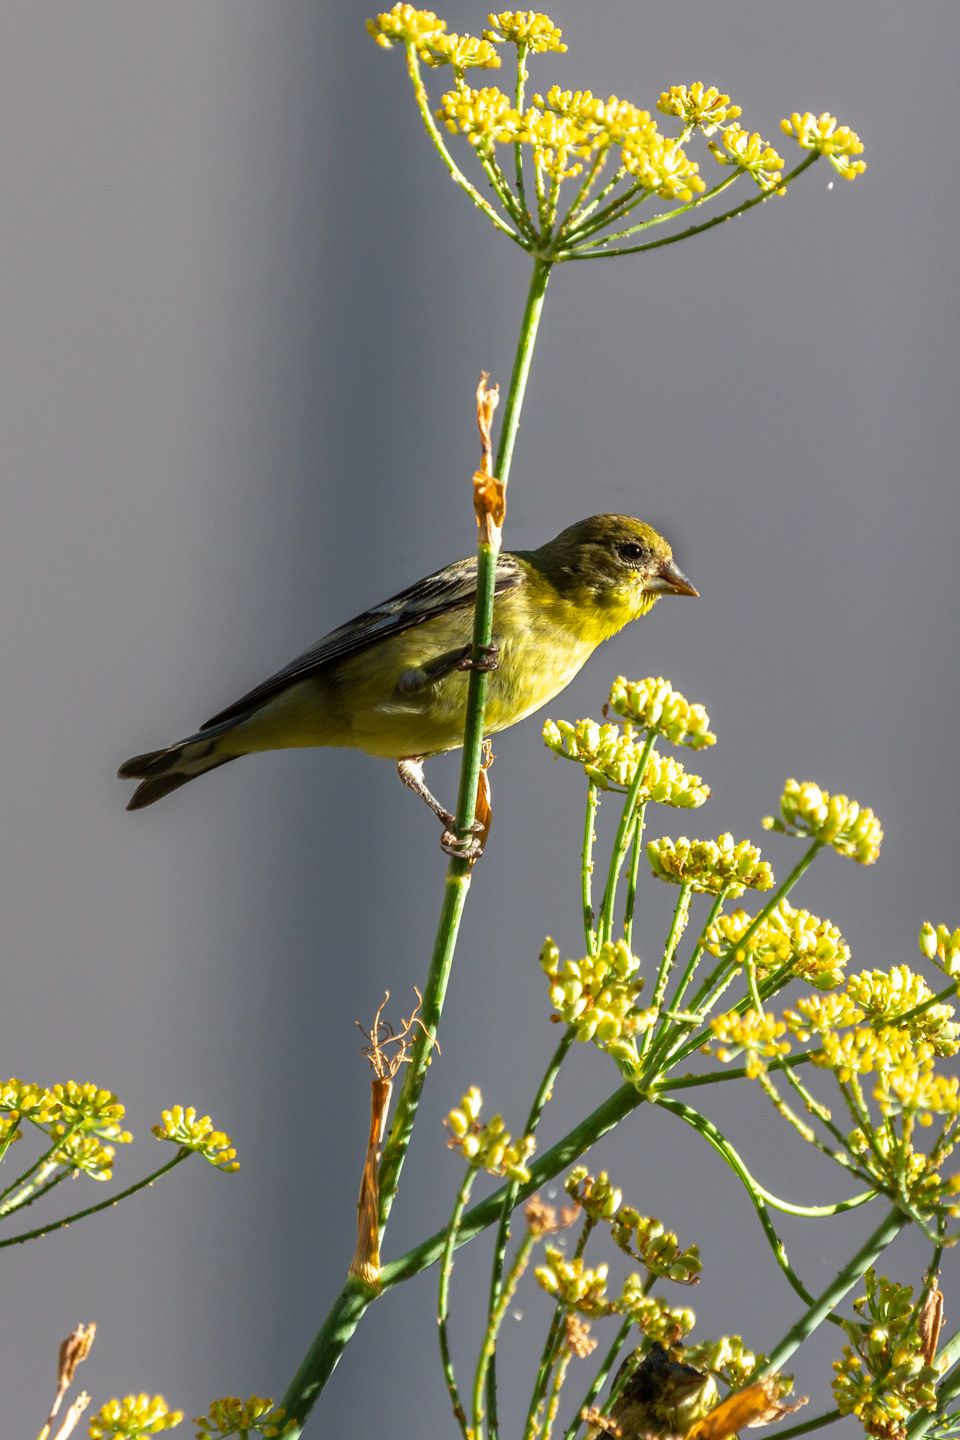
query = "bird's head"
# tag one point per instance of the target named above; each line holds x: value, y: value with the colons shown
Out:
x: 615, y: 563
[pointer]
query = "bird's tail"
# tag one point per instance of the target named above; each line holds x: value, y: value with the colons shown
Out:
x: 161, y: 771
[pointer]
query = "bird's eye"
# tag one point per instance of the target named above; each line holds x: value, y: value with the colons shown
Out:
x: 631, y: 552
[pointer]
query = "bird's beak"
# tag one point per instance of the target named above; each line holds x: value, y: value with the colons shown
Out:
x: 667, y: 578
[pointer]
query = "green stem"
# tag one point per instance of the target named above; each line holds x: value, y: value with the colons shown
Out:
x: 342, y: 1320
x: 868, y: 1254
x: 110, y: 1201
x: 20, y: 1182
x: 947, y: 1391
x: 665, y: 215
x: 543, y: 1094
x: 759, y: 199
x: 628, y: 817
x: 632, y: 877
x: 518, y: 148
x: 426, y: 115
x: 586, y: 868
x: 488, y: 1350
x: 804, y: 1428
x: 680, y: 916
x: 443, y: 1303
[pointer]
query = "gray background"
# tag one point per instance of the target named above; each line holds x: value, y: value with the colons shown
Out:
x: 244, y: 312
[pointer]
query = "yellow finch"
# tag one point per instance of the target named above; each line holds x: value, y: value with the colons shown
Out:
x: 392, y: 681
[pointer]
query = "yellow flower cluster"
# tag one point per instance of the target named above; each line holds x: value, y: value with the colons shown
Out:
x: 183, y: 1127
x: 580, y: 1287
x: 133, y: 1416
x: 406, y: 25
x: 462, y: 52
x: 727, y: 1357
x: 595, y: 1194
x: 233, y: 1416
x: 646, y: 1239
x: 667, y: 1324
x: 715, y: 867
x: 610, y: 754
x: 25, y: 1101
x: 88, y: 1108
x: 760, y: 1036
x: 840, y: 144
x: 698, y: 105
x: 80, y: 1152
x: 568, y: 126
x: 886, y: 996
x: 865, y: 1051
x: 814, y: 949
x: 487, y: 1147
x: 598, y: 997
x: 941, y: 945
x: 487, y: 117
x: 819, y: 1014
x: 834, y: 820
x: 661, y: 166
x: 750, y: 152
x: 883, y: 1378
x: 530, y: 29
x: 653, y: 704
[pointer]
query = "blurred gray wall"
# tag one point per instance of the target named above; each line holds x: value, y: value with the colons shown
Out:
x: 244, y: 312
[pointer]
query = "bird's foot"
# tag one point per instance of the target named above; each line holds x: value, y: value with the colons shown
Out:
x: 470, y: 847
x: 489, y: 659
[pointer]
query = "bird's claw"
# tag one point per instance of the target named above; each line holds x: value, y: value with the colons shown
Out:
x: 488, y: 659
x: 470, y: 847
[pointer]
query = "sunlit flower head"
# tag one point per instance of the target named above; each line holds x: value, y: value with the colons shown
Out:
x: 534, y: 31
x: 721, y: 866
x: 941, y: 945
x: 598, y: 996
x: 603, y: 122
x: 886, y: 996
x: 406, y: 25
x: 232, y: 1416
x: 488, y: 1147
x: 813, y: 948
x: 647, y: 1239
x: 834, y: 820
x: 487, y: 117
x: 750, y: 152
x: 761, y: 1037
x: 185, y: 1128
x: 662, y: 166
x: 667, y: 1324
x: 26, y: 1101
x: 88, y: 1108
x: 698, y: 105
x: 84, y: 1154
x: 133, y: 1416
x: 462, y: 52
x: 839, y: 143
x: 727, y: 1357
x: 595, y: 1194
x: 820, y: 1014
x: 653, y: 704
x: 883, y: 1377
x: 556, y: 142
x: 580, y: 1287
x: 610, y: 754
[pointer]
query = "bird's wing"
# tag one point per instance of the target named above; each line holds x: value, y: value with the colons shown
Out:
x: 451, y: 588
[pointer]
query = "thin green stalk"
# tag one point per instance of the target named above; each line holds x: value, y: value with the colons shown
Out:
x: 598, y: 1123
x: 664, y: 215
x: 868, y: 1254
x: 107, y: 1204
x: 586, y: 867
x: 426, y: 115
x: 945, y: 996
x: 621, y: 843
x: 488, y: 1350
x: 443, y: 1303
x: 633, y: 875
x: 678, y: 924
x: 734, y: 1072
x: 321, y: 1358
x: 947, y: 1391
x: 548, y: 1357
x: 553, y: 1401
x: 600, y: 1379
x: 759, y: 199
x: 518, y: 148
x: 804, y: 1428
x: 544, y: 1091
x: 722, y: 1145
x: 589, y: 180
x: 21, y: 1180
x: 597, y: 200
x: 41, y: 1188
x: 628, y: 199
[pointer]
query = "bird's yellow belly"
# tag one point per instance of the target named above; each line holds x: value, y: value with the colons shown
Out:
x: 366, y: 704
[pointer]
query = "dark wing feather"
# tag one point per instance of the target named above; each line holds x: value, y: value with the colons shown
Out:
x: 449, y: 589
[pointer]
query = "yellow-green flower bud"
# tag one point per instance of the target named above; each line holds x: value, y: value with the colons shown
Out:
x: 696, y: 105
x: 231, y: 1416
x: 942, y: 945
x: 814, y: 949
x: 575, y: 1284
x: 610, y: 754
x: 839, y: 143
x: 462, y: 52
x: 407, y: 25
x: 721, y: 866
x: 834, y: 820
x: 750, y: 153
x: 534, y: 31
x: 133, y: 1416
x: 185, y: 1128
x: 653, y: 704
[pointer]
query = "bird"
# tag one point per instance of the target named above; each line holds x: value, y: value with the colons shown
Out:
x: 393, y: 680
